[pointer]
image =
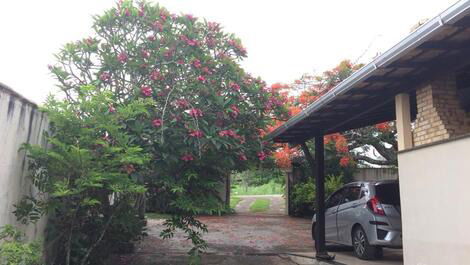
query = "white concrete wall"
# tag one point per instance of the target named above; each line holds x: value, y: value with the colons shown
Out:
x: 20, y: 122
x: 435, y: 201
x: 370, y: 174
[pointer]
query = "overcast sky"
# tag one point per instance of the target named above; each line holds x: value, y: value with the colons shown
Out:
x: 284, y: 39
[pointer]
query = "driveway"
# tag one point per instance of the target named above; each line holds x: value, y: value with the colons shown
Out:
x: 277, y: 206
x: 244, y: 239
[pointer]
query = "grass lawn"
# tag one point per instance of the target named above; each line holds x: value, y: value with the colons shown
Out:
x: 266, y: 189
x: 234, y: 201
x: 157, y: 215
x: 260, y: 205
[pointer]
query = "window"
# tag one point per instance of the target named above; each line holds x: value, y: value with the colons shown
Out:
x: 388, y: 193
x: 335, y: 199
x: 352, y: 194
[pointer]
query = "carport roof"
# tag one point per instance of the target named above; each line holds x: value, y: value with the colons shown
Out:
x: 440, y: 46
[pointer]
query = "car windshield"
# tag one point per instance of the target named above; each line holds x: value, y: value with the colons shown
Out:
x: 388, y: 193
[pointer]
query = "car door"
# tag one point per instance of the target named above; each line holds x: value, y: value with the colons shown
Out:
x: 347, y: 213
x: 331, y: 232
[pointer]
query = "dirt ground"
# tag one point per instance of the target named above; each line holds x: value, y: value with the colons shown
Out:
x: 244, y: 239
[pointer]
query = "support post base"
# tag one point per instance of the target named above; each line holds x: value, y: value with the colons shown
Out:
x: 324, y: 256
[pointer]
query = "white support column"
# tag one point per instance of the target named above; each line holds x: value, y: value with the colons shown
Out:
x: 403, y: 120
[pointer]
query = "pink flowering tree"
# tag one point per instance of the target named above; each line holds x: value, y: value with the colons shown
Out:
x: 203, y: 115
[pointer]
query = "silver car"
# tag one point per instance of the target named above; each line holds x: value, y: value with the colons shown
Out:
x: 365, y: 215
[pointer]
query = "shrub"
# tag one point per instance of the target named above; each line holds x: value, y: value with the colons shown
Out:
x: 303, y: 195
x: 14, y: 250
x: 87, y: 179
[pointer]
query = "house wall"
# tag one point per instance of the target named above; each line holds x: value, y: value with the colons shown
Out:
x: 20, y: 122
x: 440, y: 114
x: 435, y: 185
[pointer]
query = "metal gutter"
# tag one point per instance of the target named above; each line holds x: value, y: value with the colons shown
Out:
x: 451, y: 15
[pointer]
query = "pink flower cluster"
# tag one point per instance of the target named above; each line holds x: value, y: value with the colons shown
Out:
x: 272, y: 102
x: 238, y: 47
x: 89, y: 41
x: 168, y: 53
x: 213, y: 26
x: 201, y: 78
x: 155, y: 75
x: 158, y: 26
x: 242, y: 157
x: 248, y: 81
x: 228, y: 133
x: 206, y: 70
x: 157, y: 123
x: 122, y: 57
x: 234, y: 86
x: 235, y: 111
x: 105, y: 76
x: 194, y: 112
x: 262, y: 155
x: 197, y: 63
x: 164, y: 15
x: 210, y: 42
x: 145, y: 54
x: 191, y: 17
x: 146, y: 91
x: 196, y: 133
x: 111, y: 108
x: 187, y: 157
x: 189, y: 41
x: 182, y: 103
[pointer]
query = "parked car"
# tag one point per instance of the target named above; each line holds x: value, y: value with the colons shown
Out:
x: 365, y: 215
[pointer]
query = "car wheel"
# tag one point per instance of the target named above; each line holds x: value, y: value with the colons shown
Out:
x: 362, y: 248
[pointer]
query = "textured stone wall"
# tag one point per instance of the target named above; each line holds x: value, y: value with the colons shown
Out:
x: 440, y: 114
x: 20, y: 122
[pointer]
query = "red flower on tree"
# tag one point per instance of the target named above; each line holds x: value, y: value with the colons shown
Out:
x: 344, y: 161
x: 383, y: 127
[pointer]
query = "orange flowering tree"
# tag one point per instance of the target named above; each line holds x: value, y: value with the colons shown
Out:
x: 372, y: 145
